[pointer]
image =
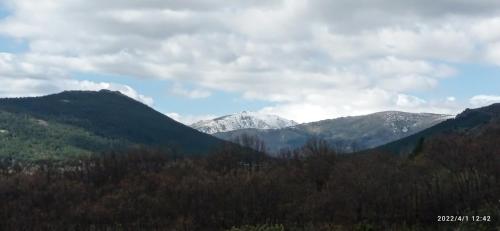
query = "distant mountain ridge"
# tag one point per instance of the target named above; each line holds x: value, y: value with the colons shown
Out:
x: 243, y: 120
x: 468, y: 122
x: 103, y: 120
x: 346, y: 134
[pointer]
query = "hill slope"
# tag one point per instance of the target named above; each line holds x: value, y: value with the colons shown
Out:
x: 242, y: 120
x: 27, y: 138
x: 109, y: 116
x: 346, y: 134
x: 470, y: 121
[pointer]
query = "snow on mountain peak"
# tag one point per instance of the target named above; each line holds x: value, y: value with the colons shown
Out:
x: 405, y: 121
x: 242, y: 120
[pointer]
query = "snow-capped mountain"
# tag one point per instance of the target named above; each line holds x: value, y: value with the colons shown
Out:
x: 347, y: 134
x: 242, y: 120
x: 404, y: 122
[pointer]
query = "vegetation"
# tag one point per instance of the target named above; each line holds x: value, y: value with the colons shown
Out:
x: 468, y: 121
x: 28, y: 139
x: 259, y: 228
x: 71, y: 162
x: 311, y: 188
x: 346, y: 134
x: 86, y: 121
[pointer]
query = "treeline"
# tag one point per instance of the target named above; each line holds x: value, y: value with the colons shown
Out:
x: 312, y: 188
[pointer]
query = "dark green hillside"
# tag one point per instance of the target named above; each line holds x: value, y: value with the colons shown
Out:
x: 114, y: 116
x: 26, y: 138
x: 470, y: 121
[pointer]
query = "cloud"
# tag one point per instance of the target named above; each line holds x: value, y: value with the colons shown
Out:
x: 350, y: 103
x: 188, y: 119
x: 22, y: 76
x: 332, y: 57
x: 179, y: 90
x: 93, y: 86
x: 484, y: 100
x: 493, y: 53
x: 21, y: 87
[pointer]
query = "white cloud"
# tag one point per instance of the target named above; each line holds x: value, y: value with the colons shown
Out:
x: 487, y: 29
x: 188, y: 119
x: 18, y: 87
x: 348, y: 103
x: 484, y: 100
x: 409, y: 101
x: 24, y: 76
x: 93, y: 86
x: 392, y: 66
x: 179, y: 90
x: 327, y: 56
x: 493, y: 53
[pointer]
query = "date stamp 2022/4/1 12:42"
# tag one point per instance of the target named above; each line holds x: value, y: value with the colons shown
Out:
x: 465, y: 218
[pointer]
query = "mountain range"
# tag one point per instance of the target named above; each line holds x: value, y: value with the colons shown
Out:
x: 346, y: 134
x: 243, y: 120
x: 75, y: 123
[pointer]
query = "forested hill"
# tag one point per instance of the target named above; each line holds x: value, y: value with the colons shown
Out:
x: 111, y: 118
x: 470, y: 122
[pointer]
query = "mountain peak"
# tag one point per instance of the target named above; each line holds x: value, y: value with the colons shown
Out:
x: 87, y: 92
x: 111, y: 116
x: 242, y: 120
x: 346, y: 134
x: 106, y: 91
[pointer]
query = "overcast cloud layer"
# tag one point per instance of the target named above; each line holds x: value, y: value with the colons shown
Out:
x: 312, y: 59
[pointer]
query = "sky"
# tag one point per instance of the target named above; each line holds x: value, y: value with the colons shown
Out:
x: 300, y: 59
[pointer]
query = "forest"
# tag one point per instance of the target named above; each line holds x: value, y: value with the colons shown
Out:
x: 310, y: 188
x: 27, y: 139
